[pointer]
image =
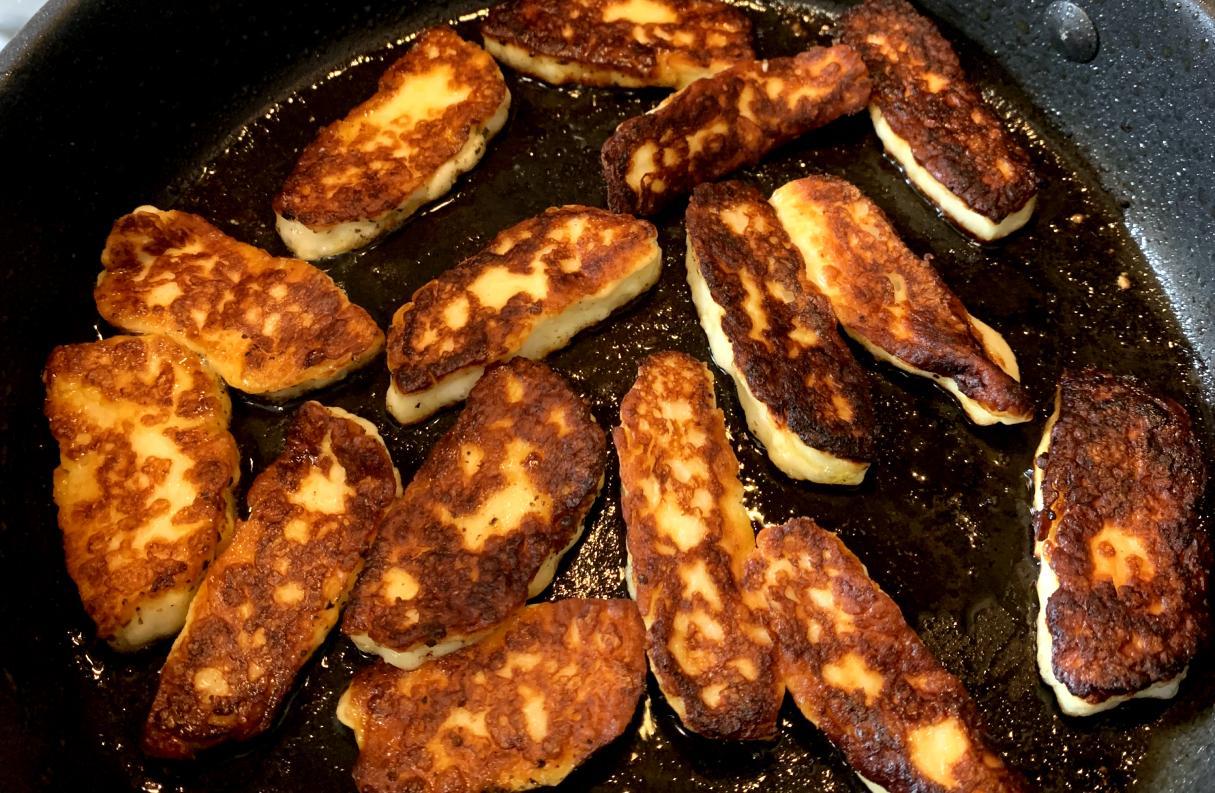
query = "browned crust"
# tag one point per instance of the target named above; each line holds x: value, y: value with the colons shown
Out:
x: 242, y: 625
x: 673, y: 447
x: 519, y: 408
x: 815, y: 387
x: 267, y: 324
x: 154, y: 383
x: 952, y: 132
x: 584, y: 658
x: 320, y: 191
x: 930, y: 329
x: 423, y: 348
x: 1121, y: 456
x: 743, y: 113
x: 707, y: 35
x: 916, y: 691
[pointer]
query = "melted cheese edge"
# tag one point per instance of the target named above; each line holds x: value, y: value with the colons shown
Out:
x: 976, y: 411
x: 785, y: 449
x: 670, y: 72
x: 548, y: 569
x: 420, y: 654
x: 1047, y: 584
x: 954, y: 207
x: 351, y: 716
x: 155, y: 618
x: 549, y: 334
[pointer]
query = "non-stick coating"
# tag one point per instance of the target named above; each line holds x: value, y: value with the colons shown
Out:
x: 210, y: 117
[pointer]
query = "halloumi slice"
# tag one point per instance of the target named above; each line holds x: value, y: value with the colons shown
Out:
x: 145, y: 478
x: 688, y: 536
x: 430, y: 120
x: 269, y: 600
x: 270, y: 326
x: 727, y: 121
x: 935, y: 124
x: 520, y: 710
x: 1122, y: 583
x: 894, y: 303
x: 626, y: 43
x: 481, y: 528
x: 535, y: 286
x: 804, y: 395
x: 861, y: 674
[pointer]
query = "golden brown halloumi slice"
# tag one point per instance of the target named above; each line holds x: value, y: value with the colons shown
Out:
x: 519, y: 710
x: 430, y: 120
x: 861, y: 674
x: 688, y: 536
x: 627, y: 43
x: 727, y: 121
x: 805, y: 396
x: 934, y: 123
x: 535, y: 286
x: 481, y: 528
x: 894, y: 303
x: 1122, y: 587
x: 145, y: 478
x: 270, y: 326
x: 272, y: 596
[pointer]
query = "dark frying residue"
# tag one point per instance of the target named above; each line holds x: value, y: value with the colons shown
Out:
x: 942, y: 520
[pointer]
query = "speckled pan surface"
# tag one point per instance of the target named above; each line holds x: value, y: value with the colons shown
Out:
x: 203, y: 106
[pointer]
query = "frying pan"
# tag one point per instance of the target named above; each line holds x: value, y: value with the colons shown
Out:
x: 108, y: 104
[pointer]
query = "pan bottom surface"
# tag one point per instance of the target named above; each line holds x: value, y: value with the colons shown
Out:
x: 941, y: 521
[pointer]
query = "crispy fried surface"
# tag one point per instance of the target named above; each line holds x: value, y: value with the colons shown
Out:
x: 269, y: 326
x: 727, y: 121
x: 893, y: 301
x: 519, y: 710
x: 370, y: 163
x: 781, y: 330
x: 688, y: 536
x: 535, y: 285
x: 862, y: 675
x: 926, y: 99
x: 144, y: 483
x: 1120, y: 486
x: 501, y: 494
x: 272, y: 596
x: 620, y: 42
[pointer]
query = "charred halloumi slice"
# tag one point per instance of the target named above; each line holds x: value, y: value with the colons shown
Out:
x: 535, y: 286
x: 894, y: 303
x: 688, y: 537
x: 145, y: 478
x: 270, y: 326
x: 805, y: 397
x: 519, y: 710
x: 1122, y: 586
x: 727, y: 121
x: 626, y: 43
x: 271, y: 597
x: 482, y: 526
x: 430, y: 120
x: 861, y: 674
x: 935, y: 124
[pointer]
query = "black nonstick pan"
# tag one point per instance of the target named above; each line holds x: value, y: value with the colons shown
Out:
x: 108, y: 104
